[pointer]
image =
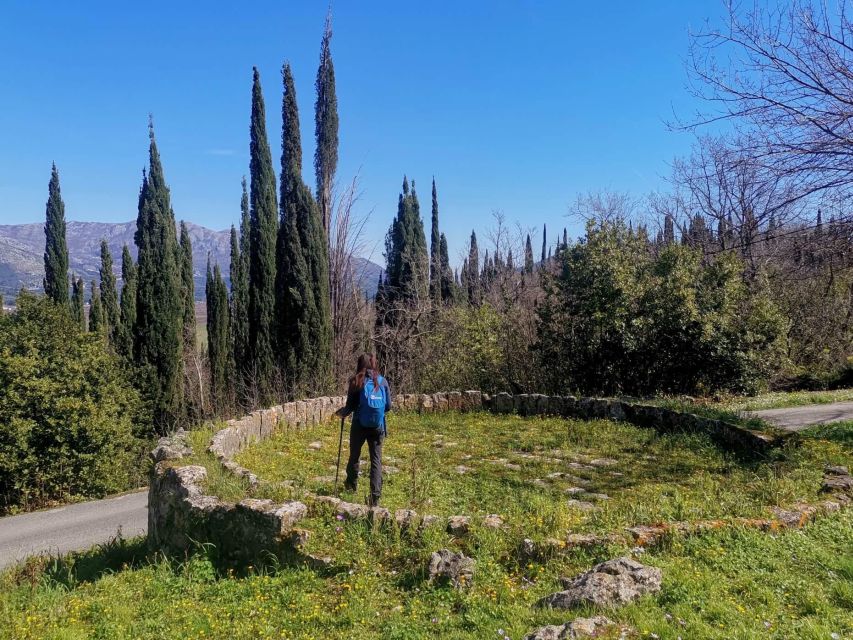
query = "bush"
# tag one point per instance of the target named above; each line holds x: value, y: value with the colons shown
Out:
x: 66, y: 410
x: 626, y: 316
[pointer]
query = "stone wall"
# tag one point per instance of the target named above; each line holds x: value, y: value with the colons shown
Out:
x: 180, y: 514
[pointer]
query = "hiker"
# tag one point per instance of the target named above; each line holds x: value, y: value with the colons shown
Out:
x: 368, y: 400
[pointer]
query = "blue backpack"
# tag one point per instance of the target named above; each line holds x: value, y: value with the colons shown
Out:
x: 371, y: 406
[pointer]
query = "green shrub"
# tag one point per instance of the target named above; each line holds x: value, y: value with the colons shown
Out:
x: 66, y: 410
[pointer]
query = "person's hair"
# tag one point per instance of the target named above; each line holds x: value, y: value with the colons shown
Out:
x: 366, y: 362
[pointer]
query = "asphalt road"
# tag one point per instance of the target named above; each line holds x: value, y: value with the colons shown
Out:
x: 72, y: 527
x: 797, y: 418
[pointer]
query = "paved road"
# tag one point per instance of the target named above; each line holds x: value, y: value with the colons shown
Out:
x: 797, y: 418
x: 73, y: 527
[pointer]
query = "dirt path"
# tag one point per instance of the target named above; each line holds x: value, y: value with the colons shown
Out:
x: 797, y: 418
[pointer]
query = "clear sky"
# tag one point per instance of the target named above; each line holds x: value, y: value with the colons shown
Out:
x: 513, y: 105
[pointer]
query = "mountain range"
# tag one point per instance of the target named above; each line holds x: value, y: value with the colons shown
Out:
x: 22, y: 254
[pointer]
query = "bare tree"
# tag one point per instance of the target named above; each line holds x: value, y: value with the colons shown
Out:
x: 782, y: 75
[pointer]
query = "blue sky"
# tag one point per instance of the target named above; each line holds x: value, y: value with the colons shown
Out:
x: 513, y: 105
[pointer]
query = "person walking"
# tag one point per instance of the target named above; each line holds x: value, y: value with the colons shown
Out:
x: 368, y: 400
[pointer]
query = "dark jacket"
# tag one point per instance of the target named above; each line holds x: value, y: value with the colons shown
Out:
x: 354, y: 397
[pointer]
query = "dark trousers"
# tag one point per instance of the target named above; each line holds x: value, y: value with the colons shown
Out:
x: 357, y: 437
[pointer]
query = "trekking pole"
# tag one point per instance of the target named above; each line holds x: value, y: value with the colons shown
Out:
x: 340, y: 446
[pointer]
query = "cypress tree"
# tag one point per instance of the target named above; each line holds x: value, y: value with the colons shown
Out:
x: 447, y: 275
x: 326, y: 127
x: 187, y: 286
x: 435, y: 267
x: 97, y: 320
x: 124, y: 342
x: 406, y: 251
x: 56, y: 247
x: 2, y: 308
x: 668, y: 230
x: 109, y: 294
x: 544, y: 243
x: 78, y: 311
x: 262, y: 249
x: 240, y: 289
x: 218, y: 330
x: 302, y: 283
x: 473, y: 272
x: 159, y: 304
x: 528, y: 256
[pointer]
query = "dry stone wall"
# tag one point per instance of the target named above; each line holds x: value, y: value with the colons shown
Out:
x: 180, y: 514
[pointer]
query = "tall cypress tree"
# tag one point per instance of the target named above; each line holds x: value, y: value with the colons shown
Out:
x: 544, y: 244
x: 435, y: 267
x: 326, y: 127
x: 240, y: 289
x: 55, y: 247
x: 109, y: 294
x: 159, y: 303
x: 473, y: 272
x: 218, y: 330
x: 262, y: 249
x: 406, y: 251
x: 78, y: 311
x: 302, y: 285
x: 97, y: 320
x: 127, y: 312
x: 187, y: 286
x: 528, y: 256
x: 447, y: 276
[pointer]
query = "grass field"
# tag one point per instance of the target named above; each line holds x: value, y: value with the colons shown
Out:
x: 549, y: 476
x: 730, y: 583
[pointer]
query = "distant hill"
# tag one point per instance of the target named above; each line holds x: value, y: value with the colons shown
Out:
x: 22, y: 251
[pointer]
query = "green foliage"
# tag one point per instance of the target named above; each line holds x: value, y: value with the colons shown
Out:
x: 66, y: 409
x: 326, y: 128
x: 127, y: 312
x: 97, y: 319
x: 406, y: 254
x: 436, y: 267
x: 109, y: 294
x: 158, y: 330
x: 302, y: 270
x: 262, y: 251
x: 187, y: 286
x: 467, y: 351
x: 240, y: 291
x: 218, y: 339
x: 620, y: 318
x: 473, y: 272
x: 78, y: 307
x: 56, y: 247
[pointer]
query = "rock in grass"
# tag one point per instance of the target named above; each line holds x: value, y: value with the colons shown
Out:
x: 351, y: 510
x: 577, y: 628
x: 493, y: 521
x: 583, y: 505
x: 610, y: 583
x: 405, y: 518
x: 316, y: 445
x: 457, y: 568
x: 458, y: 525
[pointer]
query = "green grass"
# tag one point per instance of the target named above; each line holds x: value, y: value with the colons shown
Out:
x: 781, y: 399
x: 732, y: 583
x: 721, y: 585
x: 511, y: 462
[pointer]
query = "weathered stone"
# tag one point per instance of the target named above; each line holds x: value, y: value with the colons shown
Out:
x: 351, y: 510
x: 379, y: 515
x: 172, y: 448
x: 429, y: 520
x: 577, y: 628
x: 405, y: 518
x: 583, y: 505
x: 454, y: 567
x: 493, y: 521
x: 573, y: 491
x: 610, y: 583
x: 327, y: 500
x: 796, y: 518
x: 837, y: 484
x: 598, y: 497
x: 323, y: 479
x: 461, y: 469
x: 836, y: 470
x: 646, y: 535
x: 603, y: 462
x: 458, y: 525
x: 315, y: 446
x: 299, y: 537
